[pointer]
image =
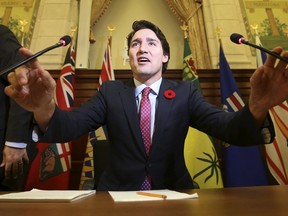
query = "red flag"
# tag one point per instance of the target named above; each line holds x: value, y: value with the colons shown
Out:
x: 87, y: 175
x: 51, y: 167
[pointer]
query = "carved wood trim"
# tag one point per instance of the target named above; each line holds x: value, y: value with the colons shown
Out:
x: 87, y: 82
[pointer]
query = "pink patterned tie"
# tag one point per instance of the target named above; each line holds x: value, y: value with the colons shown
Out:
x: 145, y: 126
x: 145, y: 118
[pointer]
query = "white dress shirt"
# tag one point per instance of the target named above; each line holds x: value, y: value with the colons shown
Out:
x: 152, y: 97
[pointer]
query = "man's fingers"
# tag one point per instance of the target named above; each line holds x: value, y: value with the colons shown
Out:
x: 13, y: 80
x: 270, y: 61
x: 282, y: 65
x: 13, y: 170
x: 8, y: 168
x: 22, y: 75
x: 25, y: 158
x: 17, y: 169
x: 18, y: 81
x: 34, y: 63
x: 25, y: 52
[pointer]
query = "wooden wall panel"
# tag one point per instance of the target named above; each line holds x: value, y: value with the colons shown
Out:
x: 86, y: 87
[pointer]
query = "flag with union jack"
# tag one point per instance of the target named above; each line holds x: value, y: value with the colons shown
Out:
x: 243, y: 166
x: 107, y: 72
x: 276, y: 153
x: 66, y: 81
x: 51, y: 167
x: 87, y: 180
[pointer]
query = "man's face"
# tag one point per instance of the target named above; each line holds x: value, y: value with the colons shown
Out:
x: 146, y: 56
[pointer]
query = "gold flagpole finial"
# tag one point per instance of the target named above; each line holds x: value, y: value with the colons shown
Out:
x: 218, y: 32
x: 255, y: 28
x: 184, y: 27
x: 73, y: 30
x: 111, y: 28
x: 23, y: 23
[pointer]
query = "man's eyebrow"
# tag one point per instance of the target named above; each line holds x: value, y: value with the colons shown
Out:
x: 147, y: 39
x: 135, y: 40
x: 152, y: 39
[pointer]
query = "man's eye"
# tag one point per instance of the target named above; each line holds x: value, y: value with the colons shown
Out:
x: 134, y: 44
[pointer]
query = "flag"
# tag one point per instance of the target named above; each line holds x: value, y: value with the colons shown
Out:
x: 51, y: 167
x: 87, y: 180
x: 243, y: 166
x: 107, y: 72
x: 87, y: 175
x: 276, y: 153
x: 200, y: 155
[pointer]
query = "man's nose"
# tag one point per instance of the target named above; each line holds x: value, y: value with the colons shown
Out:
x: 143, y: 48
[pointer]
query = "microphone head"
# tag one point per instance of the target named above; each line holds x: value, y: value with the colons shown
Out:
x: 237, y: 38
x: 65, y: 40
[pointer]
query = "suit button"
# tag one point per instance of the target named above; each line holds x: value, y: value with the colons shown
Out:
x: 148, y: 165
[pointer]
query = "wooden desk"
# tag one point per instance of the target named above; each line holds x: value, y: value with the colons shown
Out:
x: 262, y: 201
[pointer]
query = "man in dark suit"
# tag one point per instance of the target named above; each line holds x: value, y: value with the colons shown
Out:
x: 14, y: 121
x: 174, y: 107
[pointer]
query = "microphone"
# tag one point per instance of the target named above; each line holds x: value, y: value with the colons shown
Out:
x: 64, y: 41
x: 239, y: 39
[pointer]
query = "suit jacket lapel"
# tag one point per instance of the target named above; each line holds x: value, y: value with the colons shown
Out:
x: 162, y: 112
x: 130, y: 107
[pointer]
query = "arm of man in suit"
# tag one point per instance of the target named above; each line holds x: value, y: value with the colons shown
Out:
x: 18, y: 134
x: 18, y: 119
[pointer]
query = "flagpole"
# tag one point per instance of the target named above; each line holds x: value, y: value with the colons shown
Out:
x: 111, y: 28
x: 23, y: 24
x: 255, y: 28
x: 218, y: 32
x: 73, y: 30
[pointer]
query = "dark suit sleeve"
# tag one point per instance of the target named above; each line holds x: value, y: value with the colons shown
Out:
x: 19, y: 124
x: 236, y: 128
x: 18, y: 120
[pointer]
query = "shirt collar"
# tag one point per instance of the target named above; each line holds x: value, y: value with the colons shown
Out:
x: 140, y: 86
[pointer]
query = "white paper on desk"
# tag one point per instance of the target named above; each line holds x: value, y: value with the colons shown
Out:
x: 131, y: 196
x: 47, y: 195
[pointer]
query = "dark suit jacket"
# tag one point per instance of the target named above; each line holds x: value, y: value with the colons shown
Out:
x: 15, y: 122
x: 115, y: 106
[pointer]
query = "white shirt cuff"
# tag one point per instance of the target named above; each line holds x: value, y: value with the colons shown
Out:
x: 16, y: 144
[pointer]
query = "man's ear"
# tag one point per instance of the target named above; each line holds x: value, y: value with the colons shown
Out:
x: 165, y: 58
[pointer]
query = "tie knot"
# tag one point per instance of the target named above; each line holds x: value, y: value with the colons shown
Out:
x: 146, y: 91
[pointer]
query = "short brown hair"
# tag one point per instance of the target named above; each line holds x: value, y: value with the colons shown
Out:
x: 143, y: 24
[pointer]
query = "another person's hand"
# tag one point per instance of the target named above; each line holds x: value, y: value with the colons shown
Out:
x: 13, y: 159
x: 33, y: 89
x: 269, y: 86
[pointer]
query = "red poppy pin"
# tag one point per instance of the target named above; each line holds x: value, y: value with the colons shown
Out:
x: 169, y: 94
